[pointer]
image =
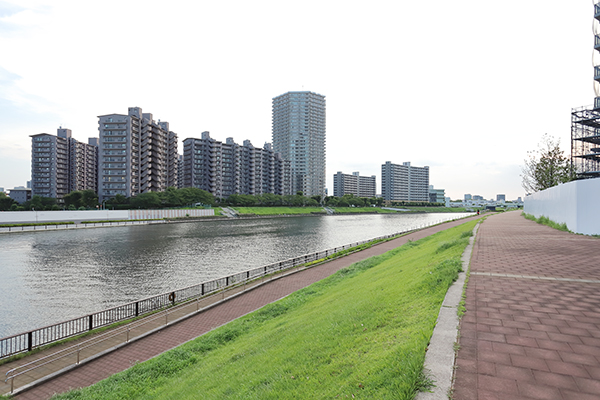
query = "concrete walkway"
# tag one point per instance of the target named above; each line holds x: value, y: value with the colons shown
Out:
x: 532, y: 326
x: 176, y: 334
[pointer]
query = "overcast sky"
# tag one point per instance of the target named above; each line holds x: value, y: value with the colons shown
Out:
x: 465, y: 87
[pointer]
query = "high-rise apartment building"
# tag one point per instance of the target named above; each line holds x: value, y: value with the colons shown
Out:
x: 404, y: 182
x: 299, y: 136
x: 360, y: 186
x: 223, y: 169
x: 136, y: 154
x: 60, y: 164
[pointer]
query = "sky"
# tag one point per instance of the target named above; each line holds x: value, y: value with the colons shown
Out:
x: 465, y: 87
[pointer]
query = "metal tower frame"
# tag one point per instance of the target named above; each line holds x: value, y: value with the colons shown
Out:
x: 585, y: 121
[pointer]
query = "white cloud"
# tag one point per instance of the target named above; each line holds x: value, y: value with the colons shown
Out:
x: 465, y: 87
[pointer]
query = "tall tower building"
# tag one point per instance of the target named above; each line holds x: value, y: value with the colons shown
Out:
x: 136, y: 154
x: 299, y: 136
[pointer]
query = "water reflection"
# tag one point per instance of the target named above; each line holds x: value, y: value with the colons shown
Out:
x: 48, y: 277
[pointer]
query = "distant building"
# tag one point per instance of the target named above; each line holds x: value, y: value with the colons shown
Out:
x: 404, y: 182
x: 477, y: 197
x: 227, y: 168
x: 501, y: 197
x: 20, y: 194
x: 180, y: 171
x: 468, y: 197
x: 360, y: 186
x: 299, y: 136
x: 437, y: 195
x: 61, y: 164
x: 137, y: 154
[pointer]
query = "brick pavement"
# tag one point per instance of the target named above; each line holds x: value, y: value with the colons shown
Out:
x: 176, y: 334
x: 532, y: 326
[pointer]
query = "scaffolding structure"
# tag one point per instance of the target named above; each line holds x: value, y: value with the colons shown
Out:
x: 585, y: 141
x: 585, y: 121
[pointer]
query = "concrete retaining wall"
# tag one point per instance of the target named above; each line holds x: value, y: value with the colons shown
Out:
x: 575, y: 204
x: 24, y: 217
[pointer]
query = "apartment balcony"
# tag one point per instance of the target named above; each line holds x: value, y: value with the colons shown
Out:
x: 597, y: 11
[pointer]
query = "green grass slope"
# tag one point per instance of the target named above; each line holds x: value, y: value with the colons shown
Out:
x: 361, y: 333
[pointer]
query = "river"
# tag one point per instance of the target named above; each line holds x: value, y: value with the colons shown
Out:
x: 48, y: 277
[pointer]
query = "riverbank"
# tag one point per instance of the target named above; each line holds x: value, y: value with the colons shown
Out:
x: 27, y: 221
x: 367, y: 296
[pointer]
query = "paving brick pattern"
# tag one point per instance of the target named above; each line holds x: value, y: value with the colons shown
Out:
x: 531, y: 337
x: 179, y: 333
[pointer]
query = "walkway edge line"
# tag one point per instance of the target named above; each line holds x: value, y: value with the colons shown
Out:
x: 439, y: 360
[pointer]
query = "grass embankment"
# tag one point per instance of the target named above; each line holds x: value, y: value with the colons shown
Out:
x: 547, y: 221
x: 342, y: 210
x: 360, y: 333
x: 278, y: 210
x: 36, y: 224
x: 435, y: 209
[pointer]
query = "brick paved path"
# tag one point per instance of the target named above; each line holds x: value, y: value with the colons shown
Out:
x: 176, y: 334
x: 532, y: 326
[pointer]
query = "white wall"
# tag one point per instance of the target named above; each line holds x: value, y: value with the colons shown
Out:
x: 574, y: 203
x: 23, y: 217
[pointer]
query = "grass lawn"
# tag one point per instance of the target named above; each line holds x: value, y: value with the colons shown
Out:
x: 278, y: 210
x: 361, y: 333
x: 436, y: 209
x: 362, y: 210
x: 320, y: 210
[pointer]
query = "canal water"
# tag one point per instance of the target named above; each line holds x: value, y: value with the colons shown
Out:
x: 49, y: 277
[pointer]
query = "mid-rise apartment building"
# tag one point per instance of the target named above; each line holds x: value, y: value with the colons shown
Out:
x: 223, y: 169
x: 136, y: 154
x: 299, y: 136
x: 60, y: 164
x: 404, y: 182
x: 436, y: 195
x: 19, y: 194
x: 360, y: 186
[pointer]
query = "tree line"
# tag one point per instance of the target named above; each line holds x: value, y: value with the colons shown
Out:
x: 176, y: 198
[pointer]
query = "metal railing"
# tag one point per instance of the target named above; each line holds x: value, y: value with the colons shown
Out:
x: 85, y: 350
x: 28, y: 341
x: 30, y: 228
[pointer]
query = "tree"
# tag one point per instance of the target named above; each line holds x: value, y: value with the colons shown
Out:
x: 146, y: 200
x: 89, y: 198
x: 546, y: 167
x: 6, y: 202
x: 73, y: 199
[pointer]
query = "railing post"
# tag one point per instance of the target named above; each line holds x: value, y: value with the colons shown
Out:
x: 91, y: 322
x: 78, y: 351
x: 137, y: 308
x: 203, y: 289
x: 29, y: 341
